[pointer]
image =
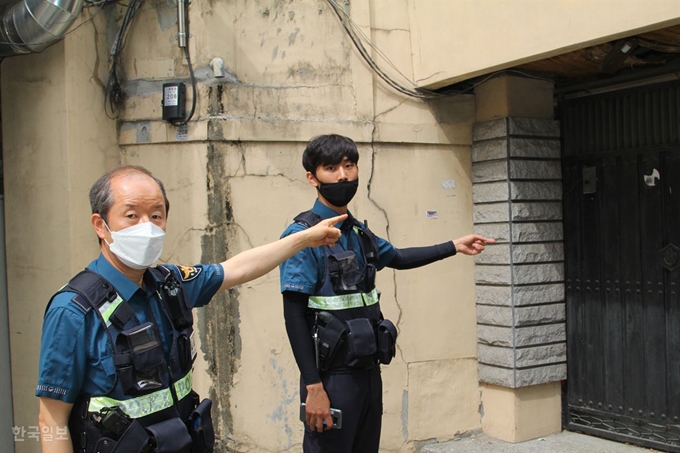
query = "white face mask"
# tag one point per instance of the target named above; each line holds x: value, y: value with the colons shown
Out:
x: 138, y: 246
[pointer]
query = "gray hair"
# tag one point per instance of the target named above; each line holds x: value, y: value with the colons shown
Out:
x: 101, y: 195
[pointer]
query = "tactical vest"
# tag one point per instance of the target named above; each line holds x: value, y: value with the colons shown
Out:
x: 152, y: 407
x: 346, y: 305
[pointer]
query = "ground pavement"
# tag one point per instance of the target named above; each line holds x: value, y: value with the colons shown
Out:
x: 565, y: 442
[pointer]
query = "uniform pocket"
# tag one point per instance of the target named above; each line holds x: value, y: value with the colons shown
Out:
x: 170, y: 436
x: 361, y: 344
x: 387, y: 339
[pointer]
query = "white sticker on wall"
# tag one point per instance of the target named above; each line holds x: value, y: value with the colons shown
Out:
x: 182, y: 132
x: 431, y: 214
x: 449, y: 184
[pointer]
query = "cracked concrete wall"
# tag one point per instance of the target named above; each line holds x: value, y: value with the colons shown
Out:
x: 56, y: 141
x: 235, y: 181
x: 433, y: 307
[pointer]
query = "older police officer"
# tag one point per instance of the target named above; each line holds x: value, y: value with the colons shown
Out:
x: 117, y: 345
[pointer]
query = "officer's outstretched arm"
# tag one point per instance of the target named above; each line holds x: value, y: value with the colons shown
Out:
x: 251, y: 264
x: 472, y: 244
x: 54, y: 414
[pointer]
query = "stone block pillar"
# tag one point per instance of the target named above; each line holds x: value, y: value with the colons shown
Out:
x: 517, y: 193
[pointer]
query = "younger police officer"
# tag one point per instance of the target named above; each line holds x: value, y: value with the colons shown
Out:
x: 117, y: 350
x: 331, y: 307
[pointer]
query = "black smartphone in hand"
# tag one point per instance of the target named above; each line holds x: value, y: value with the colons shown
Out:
x: 336, y: 414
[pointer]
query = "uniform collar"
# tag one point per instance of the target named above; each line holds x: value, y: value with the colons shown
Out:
x: 325, y: 212
x: 124, y: 286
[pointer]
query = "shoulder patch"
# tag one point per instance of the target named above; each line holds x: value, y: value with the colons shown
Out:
x: 188, y: 273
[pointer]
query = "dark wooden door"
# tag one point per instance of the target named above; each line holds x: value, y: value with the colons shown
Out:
x: 621, y: 179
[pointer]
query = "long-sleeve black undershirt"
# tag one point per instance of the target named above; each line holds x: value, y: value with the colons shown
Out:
x: 413, y: 257
x: 296, y: 315
x: 299, y: 335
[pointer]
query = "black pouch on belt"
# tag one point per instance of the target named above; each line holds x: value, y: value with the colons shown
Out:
x: 185, y: 350
x: 142, y: 362
x: 170, y: 436
x: 331, y: 333
x: 387, y: 341
x: 201, y: 428
x: 361, y: 347
x: 133, y: 440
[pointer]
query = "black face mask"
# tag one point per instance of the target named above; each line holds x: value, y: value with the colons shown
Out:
x: 339, y: 194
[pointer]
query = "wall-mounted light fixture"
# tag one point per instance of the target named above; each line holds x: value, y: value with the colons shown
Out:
x: 617, y: 56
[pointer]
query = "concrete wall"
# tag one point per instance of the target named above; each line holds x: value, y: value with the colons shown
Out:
x: 454, y: 41
x: 293, y: 74
x: 516, y: 415
x: 236, y: 181
x: 56, y: 141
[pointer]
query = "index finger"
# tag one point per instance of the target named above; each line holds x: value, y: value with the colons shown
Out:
x: 486, y: 240
x: 333, y: 220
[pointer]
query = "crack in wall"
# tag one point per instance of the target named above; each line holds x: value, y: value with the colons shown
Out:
x: 95, y: 73
x: 390, y: 109
x: 390, y: 30
x: 387, y: 229
x: 181, y: 239
x: 355, y: 101
x: 255, y: 105
x: 242, y: 152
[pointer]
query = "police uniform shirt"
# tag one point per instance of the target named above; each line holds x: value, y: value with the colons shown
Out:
x: 75, y: 356
x: 304, y: 271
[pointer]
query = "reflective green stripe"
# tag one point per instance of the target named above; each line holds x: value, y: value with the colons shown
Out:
x: 344, y: 301
x: 147, y: 404
x: 108, y: 308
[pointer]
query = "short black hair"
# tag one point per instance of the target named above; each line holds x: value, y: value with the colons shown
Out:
x: 329, y: 150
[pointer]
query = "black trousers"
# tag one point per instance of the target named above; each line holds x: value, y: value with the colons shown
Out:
x: 358, y: 394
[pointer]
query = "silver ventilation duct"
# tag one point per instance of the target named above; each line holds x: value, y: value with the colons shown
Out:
x: 32, y: 25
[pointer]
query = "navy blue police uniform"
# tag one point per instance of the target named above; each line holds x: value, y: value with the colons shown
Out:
x: 347, y: 307
x: 123, y: 355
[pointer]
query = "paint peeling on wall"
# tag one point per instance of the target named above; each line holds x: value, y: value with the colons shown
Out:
x: 166, y: 12
x: 281, y: 412
x: 219, y: 325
